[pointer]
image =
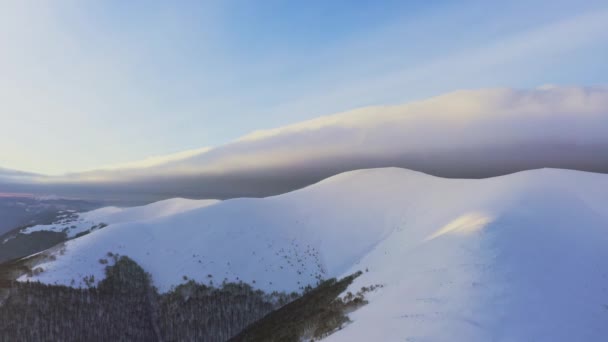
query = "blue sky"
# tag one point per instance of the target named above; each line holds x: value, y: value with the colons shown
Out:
x: 89, y: 84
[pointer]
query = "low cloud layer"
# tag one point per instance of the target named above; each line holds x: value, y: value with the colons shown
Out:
x: 472, y: 133
x: 8, y: 175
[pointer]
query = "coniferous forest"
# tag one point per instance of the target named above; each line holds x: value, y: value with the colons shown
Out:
x: 126, y: 307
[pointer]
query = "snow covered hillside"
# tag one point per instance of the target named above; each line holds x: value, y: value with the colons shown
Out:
x: 73, y: 223
x: 522, y: 257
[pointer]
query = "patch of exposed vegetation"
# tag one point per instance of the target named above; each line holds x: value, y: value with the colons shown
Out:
x: 88, y: 231
x: 20, y: 245
x: 318, y: 313
x: 196, y: 312
x: 15, y: 268
x: 82, y: 233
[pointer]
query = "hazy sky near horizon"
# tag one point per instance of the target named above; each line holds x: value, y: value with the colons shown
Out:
x: 92, y: 83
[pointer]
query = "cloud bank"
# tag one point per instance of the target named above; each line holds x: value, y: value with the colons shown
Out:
x: 469, y: 133
x: 9, y: 175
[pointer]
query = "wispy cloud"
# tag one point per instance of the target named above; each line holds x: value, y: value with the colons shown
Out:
x: 519, y: 57
x: 156, y: 160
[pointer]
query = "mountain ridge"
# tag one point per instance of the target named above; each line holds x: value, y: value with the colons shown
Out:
x: 448, y: 251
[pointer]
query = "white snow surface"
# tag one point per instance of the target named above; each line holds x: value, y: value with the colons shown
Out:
x: 73, y: 223
x: 522, y: 257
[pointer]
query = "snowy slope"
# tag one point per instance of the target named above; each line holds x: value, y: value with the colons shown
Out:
x: 516, y: 258
x: 73, y: 223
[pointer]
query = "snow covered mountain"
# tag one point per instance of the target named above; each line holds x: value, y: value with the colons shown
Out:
x: 73, y: 223
x: 521, y: 257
